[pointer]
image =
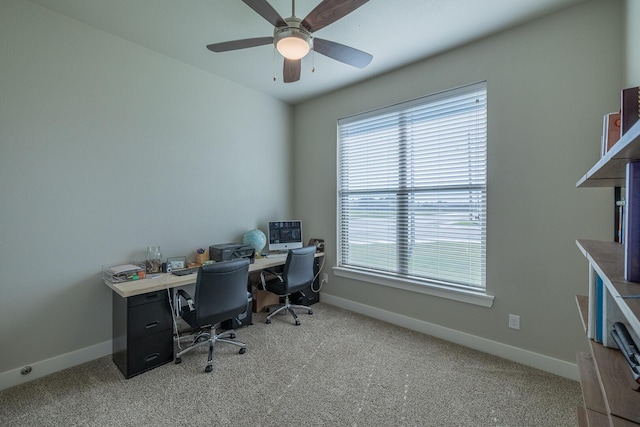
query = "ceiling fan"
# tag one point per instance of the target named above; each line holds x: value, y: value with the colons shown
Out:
x: 293, y: 38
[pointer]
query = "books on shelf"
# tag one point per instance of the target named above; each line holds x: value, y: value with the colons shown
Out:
x: 630, y: 108
x: 610, y: 131
x: 632, y: 224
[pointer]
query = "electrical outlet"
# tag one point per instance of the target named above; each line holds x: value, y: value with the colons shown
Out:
x: 325, y: 278
x: 514, y: 321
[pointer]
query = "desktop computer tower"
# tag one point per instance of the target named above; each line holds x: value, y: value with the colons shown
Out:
x: 305, y: 297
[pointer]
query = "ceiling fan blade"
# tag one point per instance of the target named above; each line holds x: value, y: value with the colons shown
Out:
x: 264, y: 9
x: 239, y: 44
x: 328, y: 12
x: 342, y: 53
x: 291, y: 70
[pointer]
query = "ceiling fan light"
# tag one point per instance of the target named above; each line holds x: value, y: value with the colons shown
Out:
x: 293, y: 47
x: 292, y: 42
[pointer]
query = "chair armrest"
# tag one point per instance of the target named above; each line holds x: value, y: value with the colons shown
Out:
x: 187, y: 298
x: 270, y: 272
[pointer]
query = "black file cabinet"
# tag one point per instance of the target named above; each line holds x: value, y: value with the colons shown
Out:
x: 142, y: 332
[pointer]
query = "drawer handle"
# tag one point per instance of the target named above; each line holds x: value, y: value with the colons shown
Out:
x: 150, y: 357
x: 151, y: 325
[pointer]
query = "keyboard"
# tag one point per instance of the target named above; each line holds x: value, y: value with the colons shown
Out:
x: 277, y: 255
x: 185, y: 271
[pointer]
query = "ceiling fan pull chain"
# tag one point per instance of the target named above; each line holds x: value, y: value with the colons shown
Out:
x: 274, y: 64
x: 313, y: 61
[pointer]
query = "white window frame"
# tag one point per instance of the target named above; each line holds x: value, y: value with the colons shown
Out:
x: 363, y: 183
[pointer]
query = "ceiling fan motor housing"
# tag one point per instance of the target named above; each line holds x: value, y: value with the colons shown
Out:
x: 293, y: 41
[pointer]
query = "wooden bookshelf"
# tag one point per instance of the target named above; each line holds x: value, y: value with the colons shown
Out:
x: 607, y: 385
x: 611, y: 396
x: 610, y: 170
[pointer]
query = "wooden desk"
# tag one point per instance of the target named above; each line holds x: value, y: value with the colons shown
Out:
x: 143, y: 322
x: 165, y: 281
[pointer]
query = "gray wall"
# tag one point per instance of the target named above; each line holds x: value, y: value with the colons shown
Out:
x: 632, y: 49
x: 549, y: 84
x: 97, y: 136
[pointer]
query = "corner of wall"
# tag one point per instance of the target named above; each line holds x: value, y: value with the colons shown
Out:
x: 631, y: 14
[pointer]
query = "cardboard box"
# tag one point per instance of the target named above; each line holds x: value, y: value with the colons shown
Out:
x: 262, y: 299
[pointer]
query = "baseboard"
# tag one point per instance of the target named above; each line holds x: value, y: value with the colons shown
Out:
x: 54, y: 364
x: 515, y: 354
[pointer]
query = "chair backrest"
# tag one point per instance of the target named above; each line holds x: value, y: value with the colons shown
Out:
x: 298, y: 269
x: 221, y: 291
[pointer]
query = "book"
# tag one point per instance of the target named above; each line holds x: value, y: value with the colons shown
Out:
x: 632, y: 224
x: 610, y: 131
x: 630, y: 108
x: 599, y: 309
x: 124, y: 268
x: 603, y: 138
x: 618, y: 197
x: 620, y: 221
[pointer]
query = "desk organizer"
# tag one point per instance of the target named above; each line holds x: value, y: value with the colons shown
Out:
x: 122, y: 272
x: 201, y: 258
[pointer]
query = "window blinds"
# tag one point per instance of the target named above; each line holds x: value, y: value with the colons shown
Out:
x: 412, y: 189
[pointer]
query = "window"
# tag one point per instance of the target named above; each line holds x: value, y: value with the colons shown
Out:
x: 412, y: 188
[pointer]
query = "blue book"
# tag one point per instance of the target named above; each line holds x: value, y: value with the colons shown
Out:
x: 599, y: 309
x: 632, y: 230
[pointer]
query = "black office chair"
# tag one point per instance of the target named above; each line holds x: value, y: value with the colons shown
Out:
x: 297, y: 275
x: 221, y: 294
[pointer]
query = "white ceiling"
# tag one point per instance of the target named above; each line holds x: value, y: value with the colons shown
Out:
x: 396, y: 33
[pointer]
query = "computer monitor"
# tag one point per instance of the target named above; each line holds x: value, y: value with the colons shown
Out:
x: 285, y: 235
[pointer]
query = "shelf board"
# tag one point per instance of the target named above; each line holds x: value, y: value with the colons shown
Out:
x: 610, y: 171
x: 591, y: 391
x: 617, y: 383
x: 621, y: 422
x: 594, y: 419
x: 607, y: 258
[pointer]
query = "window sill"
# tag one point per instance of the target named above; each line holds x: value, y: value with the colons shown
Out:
x: 470, y: 297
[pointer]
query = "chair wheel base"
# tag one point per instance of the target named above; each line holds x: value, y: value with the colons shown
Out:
x: 201, y: 338
x: 310, y: 311
x: 297, y: 322
x: 268, y: 321
x: 178, y: 360
x: 242, y: 350
x: 209, y: 368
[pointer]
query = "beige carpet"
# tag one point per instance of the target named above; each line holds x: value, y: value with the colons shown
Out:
x: 337, y: 369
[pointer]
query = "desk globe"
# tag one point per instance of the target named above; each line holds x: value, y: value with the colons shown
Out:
x: 256, y: 239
